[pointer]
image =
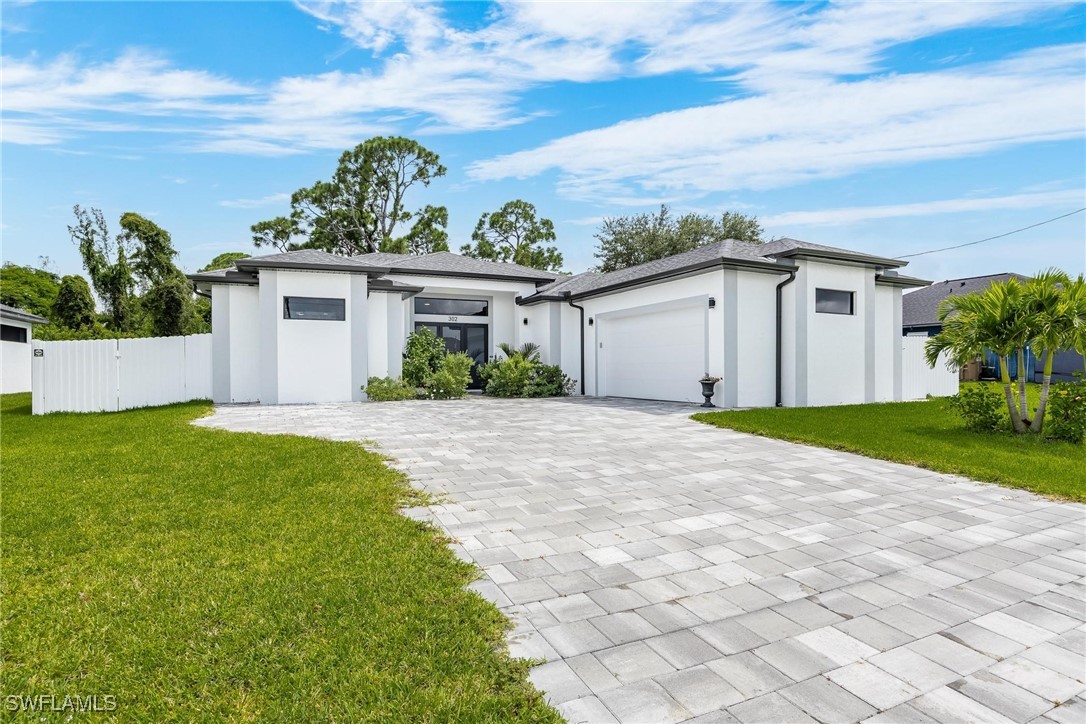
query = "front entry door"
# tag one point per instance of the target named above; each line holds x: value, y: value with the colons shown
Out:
x: 471, y: 339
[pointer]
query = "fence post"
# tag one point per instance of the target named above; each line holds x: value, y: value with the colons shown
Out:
x: 37, y: 379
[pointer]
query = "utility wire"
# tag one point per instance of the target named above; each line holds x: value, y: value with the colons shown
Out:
x: 998, y: 236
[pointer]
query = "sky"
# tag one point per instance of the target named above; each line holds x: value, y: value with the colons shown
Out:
x: 893, y: 128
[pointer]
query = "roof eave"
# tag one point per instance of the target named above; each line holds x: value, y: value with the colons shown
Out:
x: 26, y: 317
x: 894, y: 280
x: 800, y: 253
x: 468, y: 275
x: 243, y: 265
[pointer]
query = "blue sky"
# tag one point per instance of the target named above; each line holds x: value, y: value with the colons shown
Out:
x: 888, y: 127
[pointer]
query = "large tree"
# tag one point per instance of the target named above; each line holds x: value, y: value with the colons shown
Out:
x: 514, y: 233
x: 364, y: 207
x: 28, y: 288
x: 108, y: 265
x: 626, y: 241
x: 134, y: 274
x: 73, y: 307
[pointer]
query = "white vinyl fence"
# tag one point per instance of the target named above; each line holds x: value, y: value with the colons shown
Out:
x: 119, y: 374
x: 917, y: 379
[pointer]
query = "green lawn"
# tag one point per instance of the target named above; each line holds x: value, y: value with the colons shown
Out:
x: 199, y: 574
x: 928, y: 434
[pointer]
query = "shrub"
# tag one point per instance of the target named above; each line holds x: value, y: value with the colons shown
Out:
x: 450, y: 382
x: 423, y: 353
x: 386, y: 389
x: 548, y: 381
x: 1065, y: 418
x: 980, y: 407
x: 509, y: 378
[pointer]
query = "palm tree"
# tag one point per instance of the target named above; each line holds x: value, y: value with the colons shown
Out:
x: 1075, y: 297
x: 990, y: 319
x: 528, y: 351
x: 1048, y: 307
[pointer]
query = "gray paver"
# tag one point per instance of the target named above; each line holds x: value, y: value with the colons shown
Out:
x: 722, y: 557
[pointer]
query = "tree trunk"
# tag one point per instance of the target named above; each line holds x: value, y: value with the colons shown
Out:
x: 1005, y: 374
x: 1023, y: 405
x: 1046, y: 381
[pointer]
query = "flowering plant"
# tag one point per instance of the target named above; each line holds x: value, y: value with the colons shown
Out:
x: 710, y: 378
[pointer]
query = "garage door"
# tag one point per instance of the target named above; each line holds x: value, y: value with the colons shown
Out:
x: 653, y: 356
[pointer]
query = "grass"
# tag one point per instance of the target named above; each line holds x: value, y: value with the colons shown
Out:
x: 927, y: 434
x: 202, y: 574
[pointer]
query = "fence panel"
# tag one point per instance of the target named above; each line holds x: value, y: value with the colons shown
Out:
x: 918, y: 380
x: 109, y: 375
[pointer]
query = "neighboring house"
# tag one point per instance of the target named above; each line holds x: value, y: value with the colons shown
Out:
x: 920, y: 316
x: 308, y: 326
x: 16, y: 332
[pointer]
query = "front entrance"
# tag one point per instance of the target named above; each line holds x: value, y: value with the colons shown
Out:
x: 471, y: 339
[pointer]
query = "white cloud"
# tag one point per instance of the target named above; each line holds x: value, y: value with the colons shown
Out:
x: 821, y: 130
x: 269, y: 200
x: 423, y: 73
x: 854, y: 214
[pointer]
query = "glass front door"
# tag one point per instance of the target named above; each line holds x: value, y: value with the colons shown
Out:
x: 470, y: 339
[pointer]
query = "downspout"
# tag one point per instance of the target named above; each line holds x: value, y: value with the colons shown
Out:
x: 569, y: 300
x: 780, y: 334
x: 198, y: 293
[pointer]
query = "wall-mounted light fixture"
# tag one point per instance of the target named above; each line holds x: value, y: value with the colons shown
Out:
x: 712, y: 302
x: 590, y: 321
x: 526, y: 320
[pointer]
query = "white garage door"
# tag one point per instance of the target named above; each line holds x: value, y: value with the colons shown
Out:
x: 653, y: 356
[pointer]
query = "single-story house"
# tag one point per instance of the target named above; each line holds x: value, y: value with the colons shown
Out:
x: 16, y: 333
x: 787, y: 322
x: 920, y: 317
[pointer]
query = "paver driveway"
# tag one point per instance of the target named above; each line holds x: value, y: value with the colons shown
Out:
x: 668, y: 570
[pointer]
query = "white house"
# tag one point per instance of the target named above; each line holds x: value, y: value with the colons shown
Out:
x: 787, y: 323
x: 16, y: 333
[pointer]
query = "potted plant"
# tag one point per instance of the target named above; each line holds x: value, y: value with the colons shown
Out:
x: 708, y: 388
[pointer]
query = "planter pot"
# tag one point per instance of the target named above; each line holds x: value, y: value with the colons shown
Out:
x: 708, y: 389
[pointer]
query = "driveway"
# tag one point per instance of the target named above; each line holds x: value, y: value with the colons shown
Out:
x: 668, y: 570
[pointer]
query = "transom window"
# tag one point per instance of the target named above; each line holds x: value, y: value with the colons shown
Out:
x: 318, y: 308
x: 452, y: 307
x: 833, y: 301
x: 11, y: 333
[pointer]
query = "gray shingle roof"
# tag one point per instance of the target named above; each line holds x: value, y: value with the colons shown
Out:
x: 921, y: 308
x: 730, y: 249
x: 303, y: 259
x: 791, y: 247
x: 20, y: 315
x: 446, y: 262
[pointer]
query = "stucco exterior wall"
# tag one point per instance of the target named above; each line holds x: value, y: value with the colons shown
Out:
x: 15, y: 358
x: 235, y: 343
x: 757, y: 346
x: 887, y: 344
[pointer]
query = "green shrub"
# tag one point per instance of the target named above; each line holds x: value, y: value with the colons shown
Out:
x: 56, y: 333
x: 423, y: 353
x: 386, y: 389
x: 450, y: 382
x: 980, y: 407
x: 1065, y: 418
x: 549, y: 381
x: 509, y: 378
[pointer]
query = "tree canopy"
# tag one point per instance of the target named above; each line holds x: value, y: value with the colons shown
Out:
x: 225, y: 260
x: 514, y: 233
x: 626, y: 241
x: 73, y: 307
x: 28, y: 288
x: 364, y: 207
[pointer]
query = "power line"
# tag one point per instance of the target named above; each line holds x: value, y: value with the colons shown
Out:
x: 998, y: 236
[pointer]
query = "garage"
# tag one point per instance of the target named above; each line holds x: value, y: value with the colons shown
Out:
x: 653, y: 353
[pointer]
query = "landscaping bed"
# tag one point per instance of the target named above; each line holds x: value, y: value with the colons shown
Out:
x: 195, y: 574
x: 929, y: 434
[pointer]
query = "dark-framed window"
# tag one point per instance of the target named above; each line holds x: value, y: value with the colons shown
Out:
x: 452, y: 307
x: 834, y: 301
x: 319, y: 308
x: 11, y: 333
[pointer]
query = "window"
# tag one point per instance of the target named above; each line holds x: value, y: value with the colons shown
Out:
x: 452, y: 307
x: 11, y: 333
x: 833, y: 301
x: 334, y: 310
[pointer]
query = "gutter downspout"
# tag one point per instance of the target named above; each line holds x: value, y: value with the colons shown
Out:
x: 198, y: 293
x: 569, y: 300
x: 780, y: 324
